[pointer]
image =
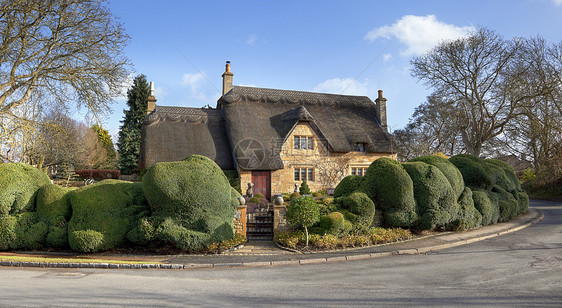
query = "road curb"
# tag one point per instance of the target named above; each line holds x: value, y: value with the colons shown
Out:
x: 317, y: 260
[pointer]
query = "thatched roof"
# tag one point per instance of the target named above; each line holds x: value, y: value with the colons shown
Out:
x: 174, y: 133
x: 258, y: 117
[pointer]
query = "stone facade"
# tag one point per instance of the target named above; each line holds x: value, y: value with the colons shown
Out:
x: 319, y: 159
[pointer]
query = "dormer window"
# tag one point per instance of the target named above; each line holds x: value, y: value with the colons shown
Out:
x: 303, y: 143
x: 359, y: 147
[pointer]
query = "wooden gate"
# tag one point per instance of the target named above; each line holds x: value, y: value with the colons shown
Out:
x: 262, y: 183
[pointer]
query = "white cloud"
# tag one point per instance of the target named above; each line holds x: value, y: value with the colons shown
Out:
x: 419, y: 33
x: 557, y: 2
x: 252, y: 39
x: 194, y: 82
x: 160, y: 92
x: 348, y: 86
x: 386, y: 57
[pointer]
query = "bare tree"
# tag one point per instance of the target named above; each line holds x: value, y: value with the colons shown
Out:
x: 482, y: 76
x: 70, y: 50
x: 331, y: 169
x: 431, y: 129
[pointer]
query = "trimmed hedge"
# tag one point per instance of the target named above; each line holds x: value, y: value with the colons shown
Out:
x: 468, y: 216
x: 361, y: 208
x: 391, y: 189
x: 110, y: 208
x: 22, y: 231
x: 487, y: 207
x: 450, y: 171
x: 53, y: 208
x: 436, y: 203
x: 193, y: 199
x: 507, y: 203
x: 348, y: 185
x: 18, y: 184
x: 333, y: 223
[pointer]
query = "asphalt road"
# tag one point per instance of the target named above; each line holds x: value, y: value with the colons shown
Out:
x: 519, y: 269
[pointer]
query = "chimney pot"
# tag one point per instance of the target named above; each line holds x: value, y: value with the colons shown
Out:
x: 227, y: 79
x: 380, y: 94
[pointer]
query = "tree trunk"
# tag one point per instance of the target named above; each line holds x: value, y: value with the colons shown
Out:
x: 306, y: 232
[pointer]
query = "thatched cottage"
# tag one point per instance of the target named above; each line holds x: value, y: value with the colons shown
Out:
x: 273, y: 138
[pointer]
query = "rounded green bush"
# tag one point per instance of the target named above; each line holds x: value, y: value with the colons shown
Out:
x: 7, y: 231
x: 486, y: 203
x: 234, y: 195
x: 362, y: 207
x: 511, y: 180
x: 18, y: 185
x: 450, y: 171
x: 294, y: 195
x: 196, y: 196
x: 474, y: 172
x: 109, y: 207
x: 22, y: 231
x: 436, y: 203
x: 57, y: 237
x: 348, y: 185
x: 333, y: 223
x: 53, y: 204
x: 86, y: 240
x: 259, y: 196
x: 468, y: 216
x: 391, y: 189
x: 254, y: 200
x: 507, y: 203
x: 523, y: 200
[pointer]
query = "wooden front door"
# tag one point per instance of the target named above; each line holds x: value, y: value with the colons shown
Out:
x: 262, y: 183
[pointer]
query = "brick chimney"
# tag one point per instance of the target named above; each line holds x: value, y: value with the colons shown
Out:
x: 151, y: 99
x: 380, y: 105
x: 227, y: 79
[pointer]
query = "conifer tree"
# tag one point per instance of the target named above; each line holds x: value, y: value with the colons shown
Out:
x: 107, y: 144
x: 130, y: 131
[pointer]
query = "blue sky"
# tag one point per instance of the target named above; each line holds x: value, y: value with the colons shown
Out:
x: 349, y: 47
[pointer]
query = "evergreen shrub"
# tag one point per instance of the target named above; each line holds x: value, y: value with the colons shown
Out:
x: 110, y: 208
x: 391, y: 189
x: 304, y: 189
x: 450, y: 171
x: 193, y: 198
x: 468, y: 216
x: 362, y: 208
x: 348, y: 185
x: 488, y: 209
x: 18, y: 186
x: 436, y: 203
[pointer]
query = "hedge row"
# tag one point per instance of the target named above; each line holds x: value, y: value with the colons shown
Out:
x: 188, y: 204
x: 435, y: 193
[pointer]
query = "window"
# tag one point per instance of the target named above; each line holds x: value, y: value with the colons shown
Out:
x: 361, y: 171
x: 303, y: 143
x: 359, y: 147
x: 304, y: 174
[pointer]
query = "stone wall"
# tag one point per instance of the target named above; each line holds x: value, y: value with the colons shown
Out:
x: 280, y: 224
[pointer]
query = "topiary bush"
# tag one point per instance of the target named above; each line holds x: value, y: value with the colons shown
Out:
x: 362, y: 209
x: 304, y: 189
x: 333, y: 223
x: 450, y: 171
x: 53, y: 208
x: 473, y: 171
x: 294, y: 196
x: 109, y: 208
x: 468, y: 216
x: 486, y: 206
x: 259, y: 196
x: 390, y: 188
x: 436, y: 203
x: 22, y: 231
x: 193, y: 200
x: 18, y: 184
x: 348, y: 185
x: 255, y: 200
x: 507, y: 204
